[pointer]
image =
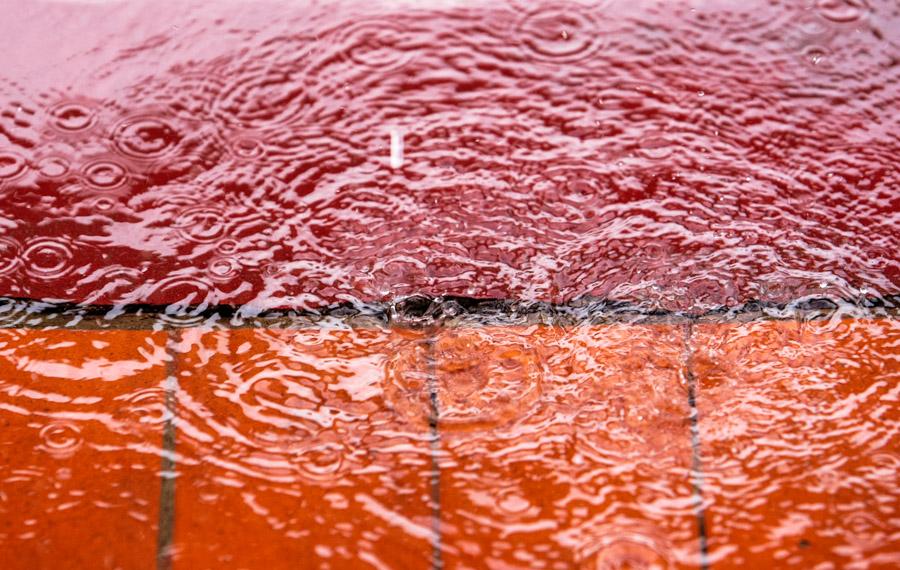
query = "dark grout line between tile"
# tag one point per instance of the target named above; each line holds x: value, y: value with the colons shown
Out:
x: 167, y: 463
x: 437, y: 562
x: 696, y: 457
x: 167, y: 481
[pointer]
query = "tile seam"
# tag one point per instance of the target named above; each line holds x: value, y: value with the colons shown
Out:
x: 166, y: 523
x: 437, y: 562
x: 697, y: 478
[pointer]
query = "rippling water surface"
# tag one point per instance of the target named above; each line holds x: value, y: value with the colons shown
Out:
x: 676, y: 154
x: 394, y: 284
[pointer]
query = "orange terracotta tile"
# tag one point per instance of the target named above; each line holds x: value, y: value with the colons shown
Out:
x: 289, y: 456
x: 799, y: 425
x: 558, y: 448
x: 80, y: 417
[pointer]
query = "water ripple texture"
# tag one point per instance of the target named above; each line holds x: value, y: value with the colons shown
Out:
x: 681, y: 155
x: 491, y: 284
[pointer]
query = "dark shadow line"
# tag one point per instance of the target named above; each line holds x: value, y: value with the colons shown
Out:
x: 437, y: 561
x: 696, y: 457
x: 166, y: 530
x: 414, y: 312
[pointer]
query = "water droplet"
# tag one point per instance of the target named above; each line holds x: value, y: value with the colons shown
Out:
x: 564, y: 33
x: 842, y: 11
x: 247, y: 147
x: 378, y: 44
x: 201, y: 224
x: 47, y: 258
x: 224, y: 269
x: 284, y: 416
x: 104, y: 204
x: 105, y: 174
x: 816, y: 57
x: 810, y: 26
x: 61, y: 439
x: 53, y: 166
x: 145, y: 137
x: 9, y: 255
x: 727, y: 16
x: 629, y: 555
x: 321, y: 462
x: 227, y: 246
x: 143, y: 409
x: 271, y: 269
x: 71, y: 117
x: 864, y: 529
x: 11, y: 165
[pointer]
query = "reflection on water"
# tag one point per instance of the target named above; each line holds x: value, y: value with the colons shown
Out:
x: 488, y: 285
x: 678, y: 155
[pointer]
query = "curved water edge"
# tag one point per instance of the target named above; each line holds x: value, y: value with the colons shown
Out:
x: 422, y: 313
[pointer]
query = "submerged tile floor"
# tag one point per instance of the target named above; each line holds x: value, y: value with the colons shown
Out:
x: 687, y: 445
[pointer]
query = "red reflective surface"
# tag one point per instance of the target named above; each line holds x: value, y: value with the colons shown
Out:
x: 678, y: 154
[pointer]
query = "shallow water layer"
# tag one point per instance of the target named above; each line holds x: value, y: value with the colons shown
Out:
x: 768, y: 443
x: 679, y: 155
x: 393, y: 284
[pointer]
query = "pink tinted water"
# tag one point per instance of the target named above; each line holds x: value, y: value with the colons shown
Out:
x: 681, y: 155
